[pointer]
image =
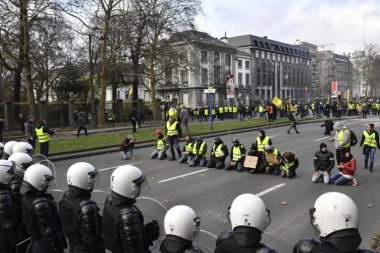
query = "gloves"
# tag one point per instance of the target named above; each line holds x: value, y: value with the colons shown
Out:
x: 152, y: 230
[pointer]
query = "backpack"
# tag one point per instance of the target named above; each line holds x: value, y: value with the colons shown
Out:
x: 353, y: 139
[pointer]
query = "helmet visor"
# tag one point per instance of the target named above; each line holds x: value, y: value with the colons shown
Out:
x: 312, y: 219
x: 197, y: 226
x: 16, y: 171
x: 139, y: 186
x: 93, y: 180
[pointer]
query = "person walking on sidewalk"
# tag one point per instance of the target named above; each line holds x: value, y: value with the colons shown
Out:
x: 82, y: 123
x: 174, y: 133
x: 293, y: 121
x: 369, y: 142
x: 184, y: 116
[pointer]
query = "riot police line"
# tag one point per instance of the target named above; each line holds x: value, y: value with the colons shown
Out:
x: 36, y: 218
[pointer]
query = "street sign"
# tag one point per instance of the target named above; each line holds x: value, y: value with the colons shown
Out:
x: 209, y: 91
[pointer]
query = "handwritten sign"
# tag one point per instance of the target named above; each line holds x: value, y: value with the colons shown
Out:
x: 250, y: 162
x: 271, y: 158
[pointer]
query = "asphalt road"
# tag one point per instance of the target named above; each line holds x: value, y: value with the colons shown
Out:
x: 210, y: 192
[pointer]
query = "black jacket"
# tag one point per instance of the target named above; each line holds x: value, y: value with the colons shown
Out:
x: 324, y: 161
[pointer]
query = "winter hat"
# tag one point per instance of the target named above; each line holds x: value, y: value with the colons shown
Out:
x: 323, y: 145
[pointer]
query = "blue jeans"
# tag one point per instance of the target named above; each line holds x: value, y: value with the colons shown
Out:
x: 160, y: 154
x: 186, y: 158
x: 371, y: 157
x: 123, y: 153
x: 326, y: 179
x: 202, y: 162
x: 339, y: 179
x: 174, y: 143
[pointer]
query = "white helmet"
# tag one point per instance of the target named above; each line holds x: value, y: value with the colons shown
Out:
x: 249, y: 210
x: 22, y: 160
x: 39, y: 176
x: 8, y: 147
x: 81, y: 175
x: 183, y: 222
x: 126, y: 181
x: 334, y: 211
x: 5, y: 171
x: 22, y: 147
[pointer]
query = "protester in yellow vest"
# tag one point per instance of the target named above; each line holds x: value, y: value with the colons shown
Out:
x: 199, y: 153
x: 271, y: 167
x: 261, y: 141
x: 43, y: 135
x: 174, y: 133
x: 237, y: 156
x: 369, y: 142
x: 161, y: 147
x: 218, y: 154
x: 289, y: 162
x: 187, y: 150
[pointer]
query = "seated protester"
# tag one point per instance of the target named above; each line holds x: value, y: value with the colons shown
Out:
x: 218, y: 154
x: 199, y: 153
x: 161, y: 147
x: 260, y: 167
x: 323, y: 164
x: 347, y: 168
x: 329, y: 126
x: 126, y: 146
x: 237, y: 156
x: 271, y: 167
x: 289, y: 162
x: 187, y: 150
x: 261, y: 141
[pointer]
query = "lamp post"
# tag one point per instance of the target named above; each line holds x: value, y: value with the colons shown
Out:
x: 93, y: 107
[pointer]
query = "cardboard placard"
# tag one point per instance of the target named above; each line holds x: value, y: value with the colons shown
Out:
x: 251, y: 162
x: 271, y: 158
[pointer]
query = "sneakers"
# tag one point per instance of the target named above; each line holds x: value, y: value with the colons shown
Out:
x: 132, y: 157
x: 354, y: 182
x: 288, y: 132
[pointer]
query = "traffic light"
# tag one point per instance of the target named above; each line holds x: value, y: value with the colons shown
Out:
x: 339, y: 95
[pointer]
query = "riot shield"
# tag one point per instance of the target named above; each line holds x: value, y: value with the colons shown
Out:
x: 152, y: 209
x: 38, y: 158
x: 205, y: 241
x: 99, y: 197
x: 57, y: 195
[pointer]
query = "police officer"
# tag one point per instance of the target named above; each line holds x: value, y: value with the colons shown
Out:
x: 81, y: 221
x: 249, y: 217
x: 336, y: 217
x: 40, y: 213
x: 181, y: 227
x: 237, y: 156
x: 123, y: 222
x: 187, y: 150
x: 8, y: 147
x: 199, y: 153
x: 22, y: 147
x: 218, y: 154
x: 9, y: 217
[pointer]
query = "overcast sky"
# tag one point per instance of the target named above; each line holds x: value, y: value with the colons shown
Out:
x: 345, y: 23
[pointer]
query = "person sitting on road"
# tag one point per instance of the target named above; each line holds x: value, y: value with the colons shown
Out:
x: 126, y: 146
x: 323, y: 164
x: 260, y: 166
x: 289, y: 162
x: 187, y: 150
x: 237, y: 156
x: 160, y: 147
x: 218, y: 154
x: 272, y: 167
x: 261, y: 141
x: 347, y: 168
x: 199, y: 153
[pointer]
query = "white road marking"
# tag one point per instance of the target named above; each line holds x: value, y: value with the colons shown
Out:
x: 112, y: 168
x: 184, y: 175
x: 322, y: 138
x: 270, y: 189
x: 271, y: 136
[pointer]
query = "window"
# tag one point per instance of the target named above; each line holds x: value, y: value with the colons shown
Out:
x: 216, y: 58
x: 257, y: 53
x: 184, y: 77
x: 240, y: 64
x: 247, y: 80
x: 203, y: 56
x: 246, y: 64
x: 217, y: 75
x: 240, y: 78
x: 262, y: 55
x: 273, y: 56
x: 204, y: 76
x: 268, y: 56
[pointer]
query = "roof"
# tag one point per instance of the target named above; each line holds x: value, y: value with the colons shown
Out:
x: 196, y: 36
x: 269, y: 45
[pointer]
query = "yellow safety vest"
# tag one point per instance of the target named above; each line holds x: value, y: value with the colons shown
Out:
x: 213, y: 111
x: 189, y: 146
x: 42, y: 137
x: 172, y: 129
x: 287, y: 165
x: 200, y: 149
x: 275, y: 152
x: 220, y: 109
x: 172, y: 113
x: 234, y: 109
x: 369, y: 139
x: 341, y: 137
x: 160, y: 144
x: 236, y: 153
x: 218, y: 151
x: 206, y: 112
x: 261, y: 145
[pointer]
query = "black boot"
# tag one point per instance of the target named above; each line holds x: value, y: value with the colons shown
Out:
x: 371, y: 168
x: 365, y: 165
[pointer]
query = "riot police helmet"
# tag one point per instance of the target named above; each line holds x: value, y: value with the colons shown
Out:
x: 127, y: 180
x: 8, y: 147
x: 249, y: 210
x: 334, y: 211
x: 39, y: 177
x: 5, y: 171
x: 182, y: 221
x: 22, y: 147
x: 82, y: 175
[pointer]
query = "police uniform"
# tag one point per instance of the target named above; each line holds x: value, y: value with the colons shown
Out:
x: 9, y: 220
x: 175, y: 244
x: 123, y: 226
x: 81, y: 222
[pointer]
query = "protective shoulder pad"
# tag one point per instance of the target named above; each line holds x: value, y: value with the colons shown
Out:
x: 224, y: 235
x: 305, y: 245
x: 40, y: 204
x: 88, y: 207
x: 265, y: 249
x: 130, y: 230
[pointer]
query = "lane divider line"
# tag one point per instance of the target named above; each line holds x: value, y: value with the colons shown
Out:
x: 112, y: 168
x: 184, y: 175
x: 324, y: 138
x: 270, y: 189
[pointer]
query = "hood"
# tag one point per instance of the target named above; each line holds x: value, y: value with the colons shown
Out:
x: 347, y: 240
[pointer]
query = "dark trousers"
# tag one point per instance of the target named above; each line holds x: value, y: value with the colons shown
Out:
x: 80, y: 128
x: 32, y: 142
x: 44, y: 148
x: 134, y: 126
x: 340, y: 154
